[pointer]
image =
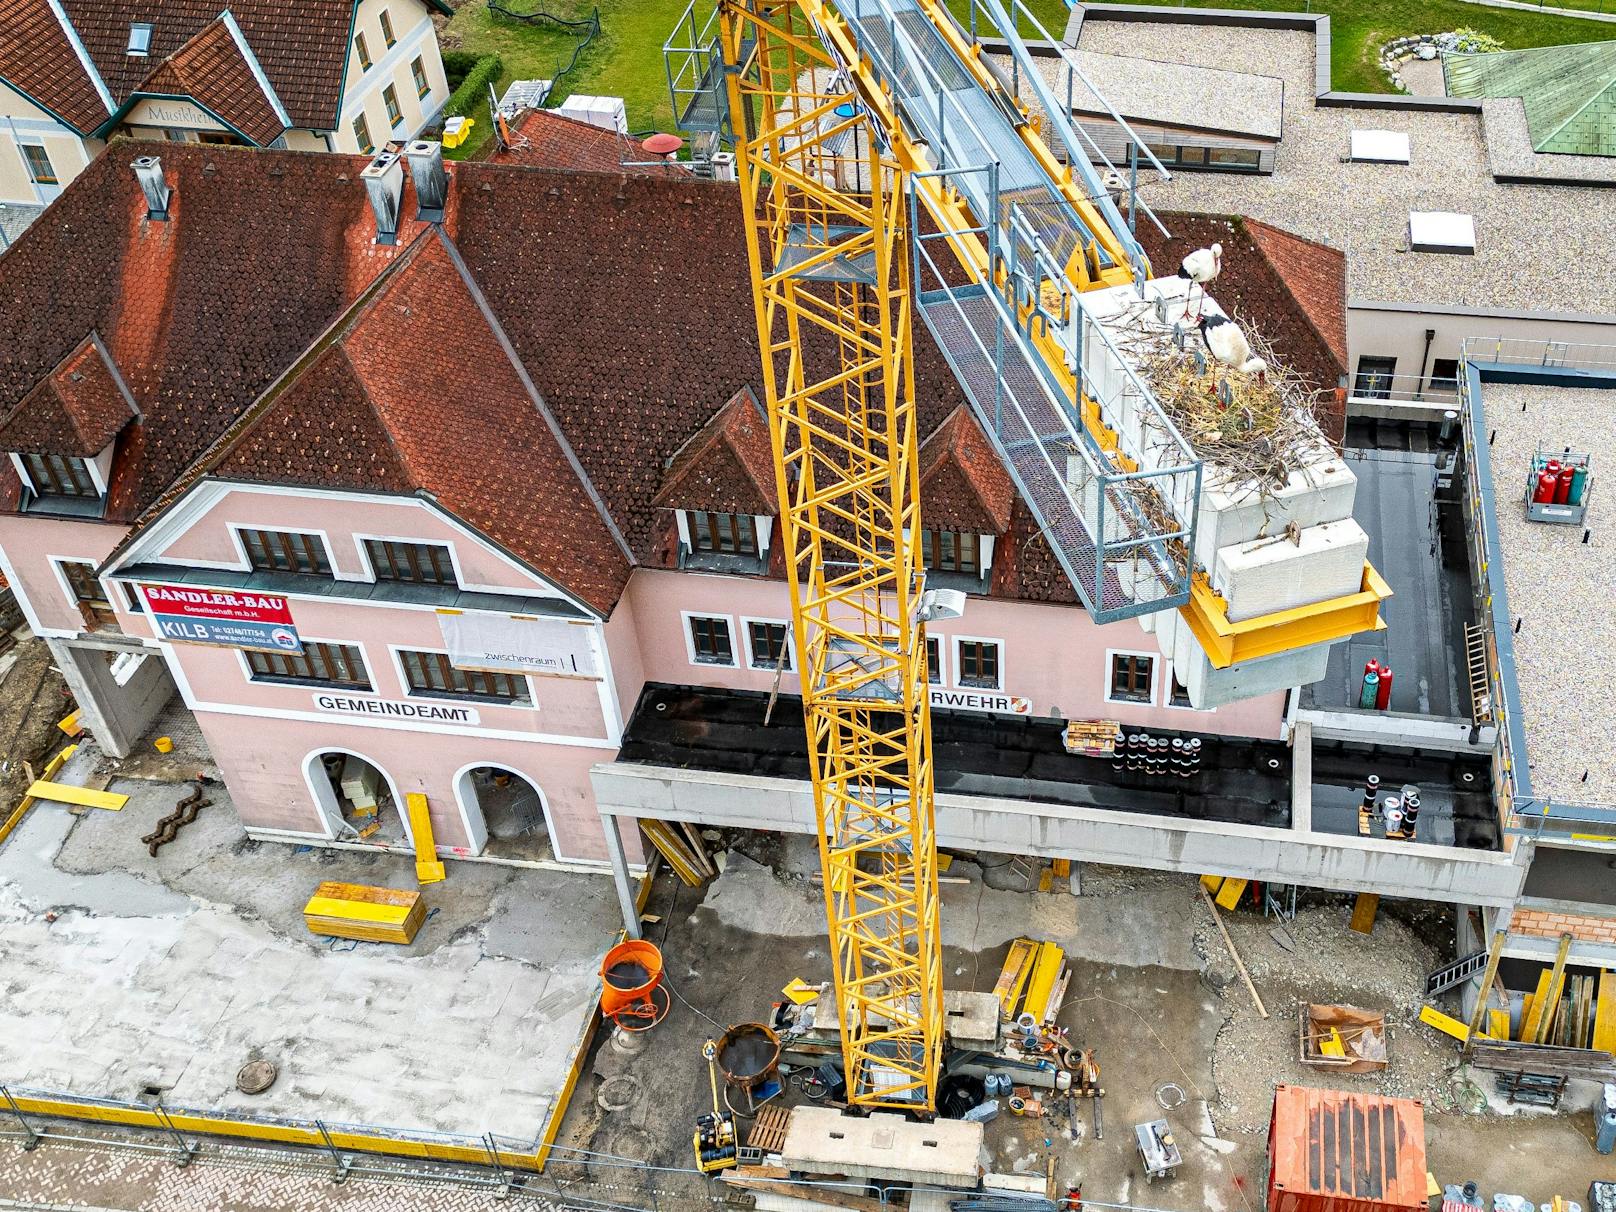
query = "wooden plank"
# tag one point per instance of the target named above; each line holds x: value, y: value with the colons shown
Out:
x: 27, y: 801
x: 1045, y: 972
x: 358, y: 911
x: 830, y: 1197
x: 1363, y: 912
x: 1498, y: 1024
x: 1062, y: 868
x: 1231, y: 892
x: 1605, y: 1012
x: 1548, y: 1012
x: 83, y: 797
x: 683, y: 864
x: 428, y: 869
x: 1432, y: 1017
x: 1240, y: 964
x: 70, y: 725
x: 1013, y: 976
x: 1494, y: 954
x: 1537, y: 1004
x: 1046, y: 879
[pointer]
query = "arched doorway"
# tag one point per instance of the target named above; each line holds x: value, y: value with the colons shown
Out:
x: 506, y: 809
x: 357, y: 798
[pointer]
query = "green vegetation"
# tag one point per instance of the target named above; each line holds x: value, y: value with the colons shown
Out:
x: 472, y: 95
x: 1359, y: 28
x: 624, y: 61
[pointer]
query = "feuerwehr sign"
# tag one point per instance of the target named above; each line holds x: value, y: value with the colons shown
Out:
x: 518, y: 643
x: 980, y: 700
x: 228, y: 617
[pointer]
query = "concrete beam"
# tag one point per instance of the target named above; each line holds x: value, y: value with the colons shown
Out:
x: 117, y: 716
x: 1318, y: 860
x: 1409, y: 731
x: 1302, y: 777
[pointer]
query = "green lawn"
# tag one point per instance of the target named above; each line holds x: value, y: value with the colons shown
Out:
x: 1359, y: 28
x: 626, y: 60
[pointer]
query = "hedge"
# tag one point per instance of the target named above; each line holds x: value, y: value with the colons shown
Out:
x: 457, y: 65
x: 473, y: 91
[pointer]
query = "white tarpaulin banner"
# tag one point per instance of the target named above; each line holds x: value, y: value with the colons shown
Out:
x: 518, y: 643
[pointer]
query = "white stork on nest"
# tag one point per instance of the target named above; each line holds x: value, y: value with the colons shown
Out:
x: 1200, y: 267
x: 1229, y: 345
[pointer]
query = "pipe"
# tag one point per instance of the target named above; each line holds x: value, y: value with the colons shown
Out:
x: 1419, y: 390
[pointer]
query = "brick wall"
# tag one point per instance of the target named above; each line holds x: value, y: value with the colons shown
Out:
x: 1544, y: 924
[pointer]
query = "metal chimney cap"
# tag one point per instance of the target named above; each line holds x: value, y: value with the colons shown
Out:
x: 380, y: 165
x: 147, y: 162
x: 421, y: 147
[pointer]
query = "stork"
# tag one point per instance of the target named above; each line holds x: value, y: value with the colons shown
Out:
x: 1228, y: 345
x: 1200, y: 267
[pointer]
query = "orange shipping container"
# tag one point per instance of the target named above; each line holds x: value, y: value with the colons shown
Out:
x: 1334, y: 1151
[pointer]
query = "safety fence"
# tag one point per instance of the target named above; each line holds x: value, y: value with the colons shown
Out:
x: 580, y: 1180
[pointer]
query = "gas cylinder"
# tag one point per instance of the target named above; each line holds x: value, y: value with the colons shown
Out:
x: 1562, y: 487
x: 1579, y: 477
x: 1383, y: 692
x: 1543, y: 491
x: 1371, y: 687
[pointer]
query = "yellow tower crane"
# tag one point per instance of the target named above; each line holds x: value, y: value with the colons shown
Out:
x: 865, y: 133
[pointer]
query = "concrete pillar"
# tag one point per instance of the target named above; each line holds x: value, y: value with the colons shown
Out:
x: 1302, y: 777
x: 625, y: 890
x: 116, y: 716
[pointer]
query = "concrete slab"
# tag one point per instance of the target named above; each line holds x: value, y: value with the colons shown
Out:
x: 170, y: 972
x: 822, y: 1141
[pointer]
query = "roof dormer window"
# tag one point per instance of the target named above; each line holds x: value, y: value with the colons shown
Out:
x: 140, y: 33
x: 54, y: 475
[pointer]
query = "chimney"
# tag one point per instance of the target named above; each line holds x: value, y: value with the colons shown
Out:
x: 431, y: 182
x: 384, y: 182
x: 149, y: 172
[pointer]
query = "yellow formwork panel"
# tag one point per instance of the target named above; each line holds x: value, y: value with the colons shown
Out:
x: 1432, y: 1017
x: 1229, y: 895
x: 1605, y: 1013
x: 83, y: 797
x: 1045, y: 972
x: 428, y: 868
x: 1534, y: 1014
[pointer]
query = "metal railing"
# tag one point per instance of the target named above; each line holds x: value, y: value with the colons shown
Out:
x: 1534, y: 351
x: 1524, y: 811
x: 1417, y: 389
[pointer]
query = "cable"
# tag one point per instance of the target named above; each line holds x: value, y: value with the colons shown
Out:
x: 667, y: 977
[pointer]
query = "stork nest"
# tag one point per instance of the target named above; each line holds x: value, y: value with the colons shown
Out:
x: 1261, y: 431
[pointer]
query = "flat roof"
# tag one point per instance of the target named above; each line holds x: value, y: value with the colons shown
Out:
x: 1559, y: 587
x: 1364, y: 208
x: 1174, y: 93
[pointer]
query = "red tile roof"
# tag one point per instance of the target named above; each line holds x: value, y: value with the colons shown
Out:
x: 417, y: 393
x: 963, y: 485
x: 77, y: 409
x: 38, y: 59
x: 1291, y: 291
x: 302, y: 51
x: 726, y: 465
x: 212, y: 70
x: 199, y: 314
x: 542, y: 138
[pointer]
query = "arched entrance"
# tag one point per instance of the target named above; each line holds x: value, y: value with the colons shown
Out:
x: 357, y: 798
x: 506, y: 809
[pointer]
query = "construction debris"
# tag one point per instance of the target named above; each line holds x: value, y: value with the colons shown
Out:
x: 1343, y: 1038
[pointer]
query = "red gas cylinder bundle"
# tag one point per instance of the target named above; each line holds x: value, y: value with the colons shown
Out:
x: 1546, y: 487
x: 1562, y: 487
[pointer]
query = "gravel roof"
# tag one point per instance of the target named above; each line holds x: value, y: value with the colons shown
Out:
x: 1177, y: 94
x: 1565, y: 651
x: 1363, y: 208
x: 1510, y: 151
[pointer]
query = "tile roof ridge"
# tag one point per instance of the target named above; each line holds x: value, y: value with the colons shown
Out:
x: 222, y: 446
x: 72, y: 34
x: 533, y: 392
x: 957, y: 435
x: 1303, y: 308
x: 117, y: 375
x: 253, y: 65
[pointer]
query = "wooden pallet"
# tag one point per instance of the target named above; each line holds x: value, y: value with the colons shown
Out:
x: 357, y: 911
x: 769, y: 1129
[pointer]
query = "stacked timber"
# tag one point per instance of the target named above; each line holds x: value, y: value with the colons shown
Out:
x: 357, y: 911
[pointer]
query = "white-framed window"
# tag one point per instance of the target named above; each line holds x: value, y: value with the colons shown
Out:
x: 1130, y: 677
x: 426, y: 673
x: 410, y: 560
x: 978, y: 663
x: 768, y: 644
x: 321, y: 663
x: 284, y: 550
x: 709, y: 639
x: 934, y: 660
x: 84, y: 589
x: 387, y: 29
x: 38, y: 162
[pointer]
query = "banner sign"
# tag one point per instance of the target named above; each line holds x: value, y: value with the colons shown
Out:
x: 395, y: 709
x: 980, y: 700
x: 518, y: 643
x: 233, y: 618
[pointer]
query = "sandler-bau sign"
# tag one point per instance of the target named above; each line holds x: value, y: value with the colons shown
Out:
x: 232, y: 618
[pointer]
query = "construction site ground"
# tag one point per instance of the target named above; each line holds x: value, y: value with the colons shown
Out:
x: 1153, y: 991
x: 128, y: 976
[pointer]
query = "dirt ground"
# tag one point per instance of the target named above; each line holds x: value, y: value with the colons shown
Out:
x: 32, y: 698
x: 1153, y: 991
